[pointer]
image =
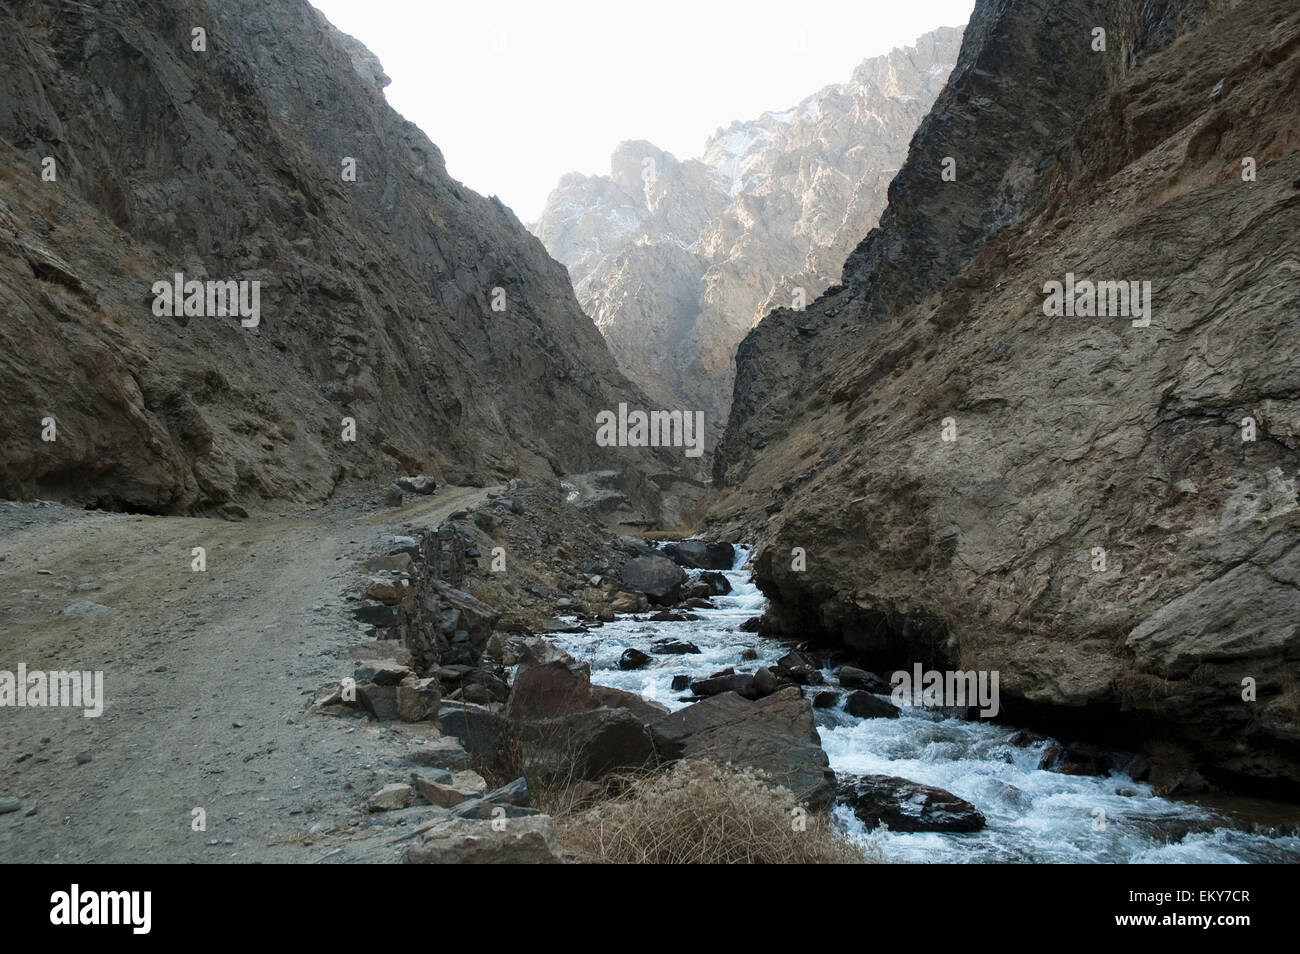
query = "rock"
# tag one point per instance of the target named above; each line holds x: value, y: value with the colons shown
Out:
x: 441, y: 753
x: 393, y: 496
x: 435, y: 613
x: 657, y: 577
x: 675, y: 647
x: 748, y: 654
x: 1073, y: 760
x: 907, y: 806
x: 441, y: 794
x: 481, y: 731
x: 633, y: 659
x: 850, y: 677
x: 462, y: 841
x: 794, y: 661
x: 556, y: 625
x: 514, y: 793
x: 386, y: 590
x: 389, y: 798
x: 9, y: 803
x: 717, y: 583
x: 585, y: 745
x: 417, y: 485
x: 751, y: 625
x: 628, y: 603
x: 680, y: 682
x: 647, y: 710
x: 765, y: 683
x: 864, y: 705
x: 635, y: 546
x: 825, y: 700
x: 696, y: 554
x: 739, y: 682
x: 775, y: 734
x: 382, y: 672
x: 549, y: 683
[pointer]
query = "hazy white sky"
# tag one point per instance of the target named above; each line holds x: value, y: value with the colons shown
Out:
x: 518, y: 92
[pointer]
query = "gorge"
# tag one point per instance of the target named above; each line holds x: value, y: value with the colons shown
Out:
x: 507, y: 539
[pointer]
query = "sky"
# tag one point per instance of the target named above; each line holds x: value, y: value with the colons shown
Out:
x: 516, y: 94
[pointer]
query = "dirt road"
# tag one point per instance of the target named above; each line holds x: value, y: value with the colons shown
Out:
x: 206, y: 679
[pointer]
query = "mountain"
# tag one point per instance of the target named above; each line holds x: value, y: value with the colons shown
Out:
x: 676, y: 260
x: 1103, y: 510
x: 213, y: 138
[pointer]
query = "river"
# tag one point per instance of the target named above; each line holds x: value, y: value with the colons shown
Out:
x: 1033, y: 815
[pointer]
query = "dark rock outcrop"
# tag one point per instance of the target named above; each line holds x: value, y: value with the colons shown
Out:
x: 907, y: 806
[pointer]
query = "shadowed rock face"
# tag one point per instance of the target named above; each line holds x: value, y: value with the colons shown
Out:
x: 675, y: 261
x: 376, y: 295
x: 1071, y: 433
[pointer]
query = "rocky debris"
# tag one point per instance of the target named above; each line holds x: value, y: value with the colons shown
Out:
x: 441, y: 624
x: 850, y: 677
x: 390, y: 798
x: 902, y: 805
x: 698, y: 555
x: 422, y: 485
x: 411, y: 699
x: 775, y: 735
x: 657, y: 577
x: 864, y: 705
x: 463, y: 841
x: 633, y: 659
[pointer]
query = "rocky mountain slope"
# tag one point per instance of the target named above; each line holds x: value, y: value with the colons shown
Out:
x: 1105, y: 513
x: 395, y: 298
x: 677, y: 260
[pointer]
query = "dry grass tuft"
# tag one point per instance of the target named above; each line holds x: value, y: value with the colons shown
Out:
x: 703, y: 813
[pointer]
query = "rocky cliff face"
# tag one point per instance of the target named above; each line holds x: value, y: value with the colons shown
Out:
x: 396, y: 299
x: 1104, y: 512
x: 676, y: 261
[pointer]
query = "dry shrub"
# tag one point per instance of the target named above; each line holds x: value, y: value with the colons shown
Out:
x: 700, y: 812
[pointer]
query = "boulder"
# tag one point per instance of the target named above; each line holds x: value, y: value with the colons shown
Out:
x: 675, y: 647
x: 825, y: 699
x: 483, y: 732
x: 659, y: 578
x: 903, y: 805
x: 422, y: 484
x: 549, y: 683
x: 633, y: 659
x: 585, y: 745
x: 470, y: 841
x: 866, y: 706
x: 389, y: 798
x: 647, y: 710
x: 775, y: 735
x: 696, y: 554
x: 851, y: 677
x: 738, y: 682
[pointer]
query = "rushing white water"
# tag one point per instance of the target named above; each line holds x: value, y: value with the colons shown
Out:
x: 1032, y: 815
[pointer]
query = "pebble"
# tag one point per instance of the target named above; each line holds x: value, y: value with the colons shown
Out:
x: 9, y: 804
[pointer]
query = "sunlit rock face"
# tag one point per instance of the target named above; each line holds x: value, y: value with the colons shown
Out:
x: 675, y: 261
